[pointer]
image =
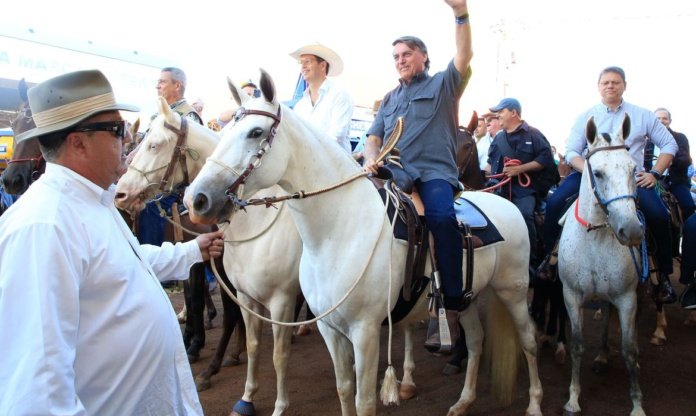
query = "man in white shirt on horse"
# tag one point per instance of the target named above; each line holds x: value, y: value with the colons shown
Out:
x: 324, y: 103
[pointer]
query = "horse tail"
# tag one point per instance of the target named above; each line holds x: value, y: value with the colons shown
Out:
x: 502, y: 349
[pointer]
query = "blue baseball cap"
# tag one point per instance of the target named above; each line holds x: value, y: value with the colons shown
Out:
x: 509, y: 103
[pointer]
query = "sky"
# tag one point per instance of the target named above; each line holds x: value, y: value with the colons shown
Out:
x: 546, y: 53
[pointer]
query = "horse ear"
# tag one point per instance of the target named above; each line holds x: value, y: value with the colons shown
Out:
x: 473, y: 123
x: 267, y: 87
x: 135, y: 126
x: 165, y: 111
x: 239, y: 96
x: 591, y: 131
x: 22, y: 87
x: 625, y: 127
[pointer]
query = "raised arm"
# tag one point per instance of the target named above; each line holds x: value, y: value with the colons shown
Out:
x: 462, y: 35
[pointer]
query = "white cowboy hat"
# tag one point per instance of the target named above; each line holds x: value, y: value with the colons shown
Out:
x: 64, y: 101
x: 327, y: 54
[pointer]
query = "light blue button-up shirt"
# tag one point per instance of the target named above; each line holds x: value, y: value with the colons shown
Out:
x: 644, y: 124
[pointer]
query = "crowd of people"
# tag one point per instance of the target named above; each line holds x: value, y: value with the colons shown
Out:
x: 85, y: 287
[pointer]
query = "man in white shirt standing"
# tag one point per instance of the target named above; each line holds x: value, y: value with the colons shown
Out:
x: 324, y: 103
x: 92, y: 331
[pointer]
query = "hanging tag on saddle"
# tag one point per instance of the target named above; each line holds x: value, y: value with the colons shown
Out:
x: 445, y: 337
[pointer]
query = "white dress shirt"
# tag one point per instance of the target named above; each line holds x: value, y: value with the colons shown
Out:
x: 332, y: 112
x: 482, y: 146
x: 86, y: 327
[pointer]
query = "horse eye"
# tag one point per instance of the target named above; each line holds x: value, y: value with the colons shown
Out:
x: 255, y: 133
x: 599, y: 174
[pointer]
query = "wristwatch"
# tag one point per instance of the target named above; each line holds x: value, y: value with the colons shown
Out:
x: 656, y: 174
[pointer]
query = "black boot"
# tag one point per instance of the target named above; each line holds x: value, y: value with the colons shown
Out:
x: 688, y: 298
x: 663, y: 292
x: 433, y: 342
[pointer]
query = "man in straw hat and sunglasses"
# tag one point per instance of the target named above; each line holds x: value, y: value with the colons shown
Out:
x: 92, y: 330
x: 324, y: 103
x: 429, y: 105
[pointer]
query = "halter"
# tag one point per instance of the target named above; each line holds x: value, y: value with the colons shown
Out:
x: 178, y: 156
x: 604, y: 204
x: 255, y: 160
x: 37, y: 164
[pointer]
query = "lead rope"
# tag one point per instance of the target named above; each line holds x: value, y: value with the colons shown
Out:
x: 643, y: 276
x: 315, y: 319
x: 389, y: 393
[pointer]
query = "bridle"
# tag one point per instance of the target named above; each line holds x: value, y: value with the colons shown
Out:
x: 255, y: 160
x: 603, y: 203
x: 178, y: 157
x: 26, y: 118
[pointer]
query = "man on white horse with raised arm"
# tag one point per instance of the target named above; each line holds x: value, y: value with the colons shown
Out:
x: 429, y: 105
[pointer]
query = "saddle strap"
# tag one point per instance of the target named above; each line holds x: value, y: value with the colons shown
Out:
x: 469, y: 282
x: 407, y: 211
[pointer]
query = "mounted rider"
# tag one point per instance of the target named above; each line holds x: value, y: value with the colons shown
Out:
x: 608, y: 115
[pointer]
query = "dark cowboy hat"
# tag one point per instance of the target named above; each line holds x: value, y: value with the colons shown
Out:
x: 63, y: 101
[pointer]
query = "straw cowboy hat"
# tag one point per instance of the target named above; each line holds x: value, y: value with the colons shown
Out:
x: 63, y: 101
x: 335, y: 61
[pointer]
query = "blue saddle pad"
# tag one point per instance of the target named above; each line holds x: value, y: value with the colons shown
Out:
x: 469, y: 214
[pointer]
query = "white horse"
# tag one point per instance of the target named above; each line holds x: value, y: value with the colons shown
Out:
x: 262, y: 247
x: 593, y: 257
x: 349, y: 247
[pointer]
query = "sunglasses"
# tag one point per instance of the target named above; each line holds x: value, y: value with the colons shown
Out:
x: 118, y: 128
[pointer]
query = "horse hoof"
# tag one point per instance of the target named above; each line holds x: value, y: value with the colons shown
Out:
x: 451, y: 369
x: 569, y: 413
x: 202, y: 384
x: 407, y: 391
x: 597, y: 315
x: 192, y: 358
x: 242, y: 408
x: 303, y: 330
x: 560, y: 355
x: 231, y: 362
x: 657, y: 340
x: 599, y: 367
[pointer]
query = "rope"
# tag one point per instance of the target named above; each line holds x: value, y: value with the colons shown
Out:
x: 315, y: 319
x: 644, y: 255
x: 523, y: 178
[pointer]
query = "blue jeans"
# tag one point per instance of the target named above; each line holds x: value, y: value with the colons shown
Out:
x: 683, y: 195
x: 151, y: 224
x: 526, y: 206
x: 688, y: 264
x: 649, y: 202
x: 438, y: 199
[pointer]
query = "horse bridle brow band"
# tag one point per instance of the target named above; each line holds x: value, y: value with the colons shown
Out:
x: 254, y: 162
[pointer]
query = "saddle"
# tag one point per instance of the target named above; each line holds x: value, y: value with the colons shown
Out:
x: 410, y: 226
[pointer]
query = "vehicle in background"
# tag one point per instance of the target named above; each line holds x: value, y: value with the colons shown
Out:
x: 6, y: 141
x: 359, y: 124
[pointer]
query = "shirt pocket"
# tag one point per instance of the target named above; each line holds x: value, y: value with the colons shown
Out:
x: 423, y: 105
x: 389, y: 114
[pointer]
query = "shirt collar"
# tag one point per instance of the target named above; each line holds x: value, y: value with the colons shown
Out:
x: 619, y: 107
x: 416, y: 78
x: 176, y: 103
x: 104, y: 196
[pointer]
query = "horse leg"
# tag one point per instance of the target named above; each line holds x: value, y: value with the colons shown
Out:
x: 516, y: 304
x: 231, y: 317
x: 599, y: 365
x: 573, y: 303
x: 195, y: 314
x: 210, y: 306
x: 281, y: 351
x: 659, y: 336
x: 366, y: 354
x: 341, y: 352
x: 454, y: 366
x: 626, y: 307
x: 557, y: 300
x: 540, y: 298
x: 407, y: 389
x: 471, y: 322
x: 188, y: 327
x: 253, y: 339
x: 238, y: 346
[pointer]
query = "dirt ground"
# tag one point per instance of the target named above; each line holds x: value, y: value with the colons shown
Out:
x: 667, y: 375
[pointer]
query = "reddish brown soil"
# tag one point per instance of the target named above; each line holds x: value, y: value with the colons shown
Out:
x: 667, y: 376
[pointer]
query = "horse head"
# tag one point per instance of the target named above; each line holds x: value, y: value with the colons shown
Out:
x: 163, y: 159
x: 467, y: 155
x: 26, y: 164
x: 243, y: 162
x: 609, y: 175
